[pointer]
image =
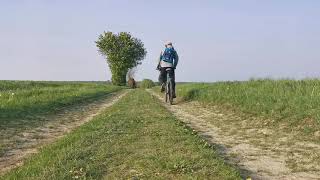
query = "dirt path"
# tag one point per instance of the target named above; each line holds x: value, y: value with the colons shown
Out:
x: 259, y: 153
x: 23, y: 144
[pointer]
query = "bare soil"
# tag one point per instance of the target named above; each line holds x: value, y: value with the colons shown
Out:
x: 20, y: 145
x: 259, y: 152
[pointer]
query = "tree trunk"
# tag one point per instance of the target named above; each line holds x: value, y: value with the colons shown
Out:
x: 119, y: 77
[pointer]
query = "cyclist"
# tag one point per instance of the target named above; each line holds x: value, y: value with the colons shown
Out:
x: 168, y: 59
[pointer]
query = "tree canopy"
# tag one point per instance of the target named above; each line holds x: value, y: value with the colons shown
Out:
x: 122, y: 52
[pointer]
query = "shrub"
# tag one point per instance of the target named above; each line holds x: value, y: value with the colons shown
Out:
x: 147, y: 83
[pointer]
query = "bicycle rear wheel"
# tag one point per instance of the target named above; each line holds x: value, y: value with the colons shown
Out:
x: 170, y: 92
x: 166, y: 94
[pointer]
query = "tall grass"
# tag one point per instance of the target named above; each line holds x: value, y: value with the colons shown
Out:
x: 27, y: 99
x: 288, y: 100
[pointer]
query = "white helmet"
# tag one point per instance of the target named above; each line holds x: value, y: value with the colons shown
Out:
x: 168, y: 43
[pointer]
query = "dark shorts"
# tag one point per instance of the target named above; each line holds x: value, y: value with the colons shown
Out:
x: 163, y: 76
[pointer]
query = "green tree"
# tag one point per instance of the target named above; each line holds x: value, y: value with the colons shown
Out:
x: 122, y: 52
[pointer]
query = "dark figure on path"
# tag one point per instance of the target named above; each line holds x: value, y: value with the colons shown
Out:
x: 168, y: 59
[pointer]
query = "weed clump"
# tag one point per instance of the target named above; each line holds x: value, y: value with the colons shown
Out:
x: 147, y: 83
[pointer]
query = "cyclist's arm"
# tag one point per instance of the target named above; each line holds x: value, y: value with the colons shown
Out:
x: 160, y: 57
x: 176, y: 59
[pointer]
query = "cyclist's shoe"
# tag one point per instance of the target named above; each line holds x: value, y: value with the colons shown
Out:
x: 174, y: 95
x: 162, y: 87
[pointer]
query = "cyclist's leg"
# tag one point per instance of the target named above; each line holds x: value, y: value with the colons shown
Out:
x: 172, y: 76
x: 174, y: 82
x: 162, y: 78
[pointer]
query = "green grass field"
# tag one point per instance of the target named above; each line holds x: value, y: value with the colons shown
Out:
x: 296, y: 103
x: 135, y: 138
x: 23, y: 102
x: 138, y: 138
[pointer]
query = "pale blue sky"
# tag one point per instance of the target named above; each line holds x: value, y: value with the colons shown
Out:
x: 216, y: 40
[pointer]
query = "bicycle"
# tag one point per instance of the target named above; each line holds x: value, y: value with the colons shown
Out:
x: 169, y: 87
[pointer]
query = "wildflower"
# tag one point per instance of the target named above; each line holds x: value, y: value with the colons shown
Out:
x: 12, y: 94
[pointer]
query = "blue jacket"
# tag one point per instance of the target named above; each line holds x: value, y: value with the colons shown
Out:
x: 172, y: 57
